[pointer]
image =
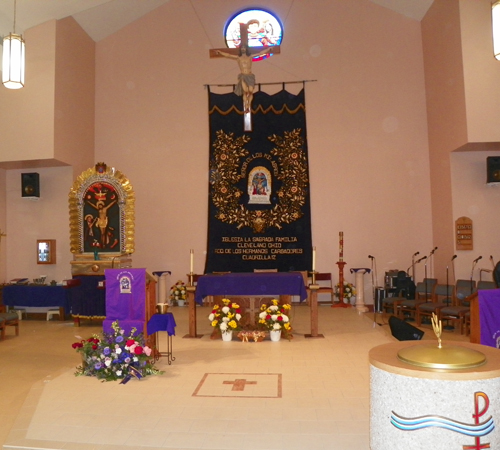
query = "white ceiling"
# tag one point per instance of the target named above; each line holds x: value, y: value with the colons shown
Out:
x: 101, y: 18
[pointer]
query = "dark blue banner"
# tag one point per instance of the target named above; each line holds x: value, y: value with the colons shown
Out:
x: 259, y: 196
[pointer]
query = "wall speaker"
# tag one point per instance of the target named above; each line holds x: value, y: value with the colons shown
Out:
x: 403, y: 331
x: 30, y: 185
x: 493, y: 169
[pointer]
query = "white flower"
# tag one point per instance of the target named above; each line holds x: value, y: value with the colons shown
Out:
x: 223, y: 326
x: 285, y: 318
x: 107, y: 362
x: 263, y: 315
x: 274, y: 317
x: 238, y: 317
x: 211, y: 317
x: 225, y: 309
x: 225, y: 319
x: 276, y: 326
x: 119, y: 373
x: 273, y: 308
x: 118, y: 350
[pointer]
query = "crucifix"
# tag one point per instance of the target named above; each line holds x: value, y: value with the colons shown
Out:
x: 246, y: 79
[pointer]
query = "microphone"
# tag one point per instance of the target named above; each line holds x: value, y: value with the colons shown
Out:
x: 454, y: 256
x: 371, y: 257
x: 415, y: 254
x: 434, y: 249
x: 421, y: 259
x: 477, y: 259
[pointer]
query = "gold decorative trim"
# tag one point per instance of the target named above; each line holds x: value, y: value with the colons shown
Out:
x: 292, y: 172
x: 126, y: 202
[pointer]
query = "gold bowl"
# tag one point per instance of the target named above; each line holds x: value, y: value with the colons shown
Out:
x: 162, y: 308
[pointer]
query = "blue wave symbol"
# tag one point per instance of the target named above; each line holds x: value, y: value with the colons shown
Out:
x: 418, y: 423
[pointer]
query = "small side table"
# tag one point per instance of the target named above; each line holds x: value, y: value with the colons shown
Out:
x: 163, y: 322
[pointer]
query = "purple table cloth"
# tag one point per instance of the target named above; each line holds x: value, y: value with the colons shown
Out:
x: 489, y: 317
x: 251, y: 284
x: 162, y: 322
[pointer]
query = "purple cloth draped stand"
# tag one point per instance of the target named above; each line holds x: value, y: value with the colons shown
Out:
x: 162, y: 322
x: 489, y: 317
x: 251, y: 284
x: 129, y: 308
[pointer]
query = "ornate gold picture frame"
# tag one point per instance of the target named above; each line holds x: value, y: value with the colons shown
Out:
x: 102, y: 212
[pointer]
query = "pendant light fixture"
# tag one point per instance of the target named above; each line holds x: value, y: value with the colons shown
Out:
x: 495, y: 21
x: 13, y: 59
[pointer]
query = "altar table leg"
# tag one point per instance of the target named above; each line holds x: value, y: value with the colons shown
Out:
x: 192, y: 314
x: 313, y: 302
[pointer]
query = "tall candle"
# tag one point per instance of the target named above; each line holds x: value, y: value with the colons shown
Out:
x: 314, y: 260
x: 341, y: 245
x: 191, y: 265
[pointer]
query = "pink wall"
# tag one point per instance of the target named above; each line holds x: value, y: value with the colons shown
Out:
x: 446, y: 116
x: 74, y: 96
x: 367, y: 129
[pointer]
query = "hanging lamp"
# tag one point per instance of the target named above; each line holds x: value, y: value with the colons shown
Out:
x: 13, y: 59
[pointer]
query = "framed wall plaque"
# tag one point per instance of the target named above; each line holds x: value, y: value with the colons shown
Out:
x: 463, y: 234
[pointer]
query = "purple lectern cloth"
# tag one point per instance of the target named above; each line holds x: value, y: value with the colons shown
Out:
x: 129, y: 308
x: 489, y: 317
x: 162, y: 322
x: 253, y: 284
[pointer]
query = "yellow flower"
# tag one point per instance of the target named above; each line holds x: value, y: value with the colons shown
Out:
x: 229, y: 315
x: 214, y: 323
x: 232, y: 324
x: 226, y: 301
x: 287, y: 326
x: 263, y: 307
x: 275, y: 302
x: 287, y: 306
x: 235, y: 306
x: 216, y: 307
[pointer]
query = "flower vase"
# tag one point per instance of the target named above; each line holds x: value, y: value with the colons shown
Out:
x: 180, y: 302
x: 275, y: 335
x: 228, y: 336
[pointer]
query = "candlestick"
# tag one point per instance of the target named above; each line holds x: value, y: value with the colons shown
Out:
x: 314, y: 260
x: 191, y: 265
x: 341, y: 246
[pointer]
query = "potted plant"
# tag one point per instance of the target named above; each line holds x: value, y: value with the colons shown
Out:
x: 225, y: 318
x: 349, y: 291
x: 178, y: 293
x: 115, y: 356
x: 275, y: 318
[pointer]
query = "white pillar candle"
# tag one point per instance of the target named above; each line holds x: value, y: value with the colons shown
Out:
x: 314, y: 260
x: 191, y: 263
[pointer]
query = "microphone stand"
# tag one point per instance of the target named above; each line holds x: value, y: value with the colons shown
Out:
x: 472, y: 273
x: 448, y: 327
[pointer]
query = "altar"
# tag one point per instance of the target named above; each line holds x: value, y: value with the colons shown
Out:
x: 260, y: 284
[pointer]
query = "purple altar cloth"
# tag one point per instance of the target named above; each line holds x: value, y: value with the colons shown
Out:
x: 253, y: 284
x: 162, y: 322
x: 489, y: 317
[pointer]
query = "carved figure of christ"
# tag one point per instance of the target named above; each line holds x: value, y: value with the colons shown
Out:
x: 244, y: 56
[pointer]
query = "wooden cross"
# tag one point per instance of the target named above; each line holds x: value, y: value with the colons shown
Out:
x: 239, y: 384
x: 246, y: 79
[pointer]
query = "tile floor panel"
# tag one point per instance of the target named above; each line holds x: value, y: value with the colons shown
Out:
x: 324, y: 387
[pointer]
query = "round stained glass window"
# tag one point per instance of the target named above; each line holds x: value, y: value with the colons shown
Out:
x: 264, y: 29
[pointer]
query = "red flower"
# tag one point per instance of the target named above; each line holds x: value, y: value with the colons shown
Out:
x: 77, y: 345
x: 138, y: 350
x: 130, y: 342
x: 238, y: 311
x: 94, y: 347
x: 268, y: 316
x: 280, y: 319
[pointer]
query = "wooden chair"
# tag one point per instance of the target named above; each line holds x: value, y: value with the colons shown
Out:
x: 424, y: 290
x: 442, y: 297
x: 325, y: 285
x: 391, y: 304
x: 8, y: 319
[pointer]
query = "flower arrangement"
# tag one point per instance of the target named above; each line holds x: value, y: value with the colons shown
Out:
x: 226, y: 317
x: 275, y: 317
x: 115, y: 356
x: 178, y: 292
x: 349, y: 290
